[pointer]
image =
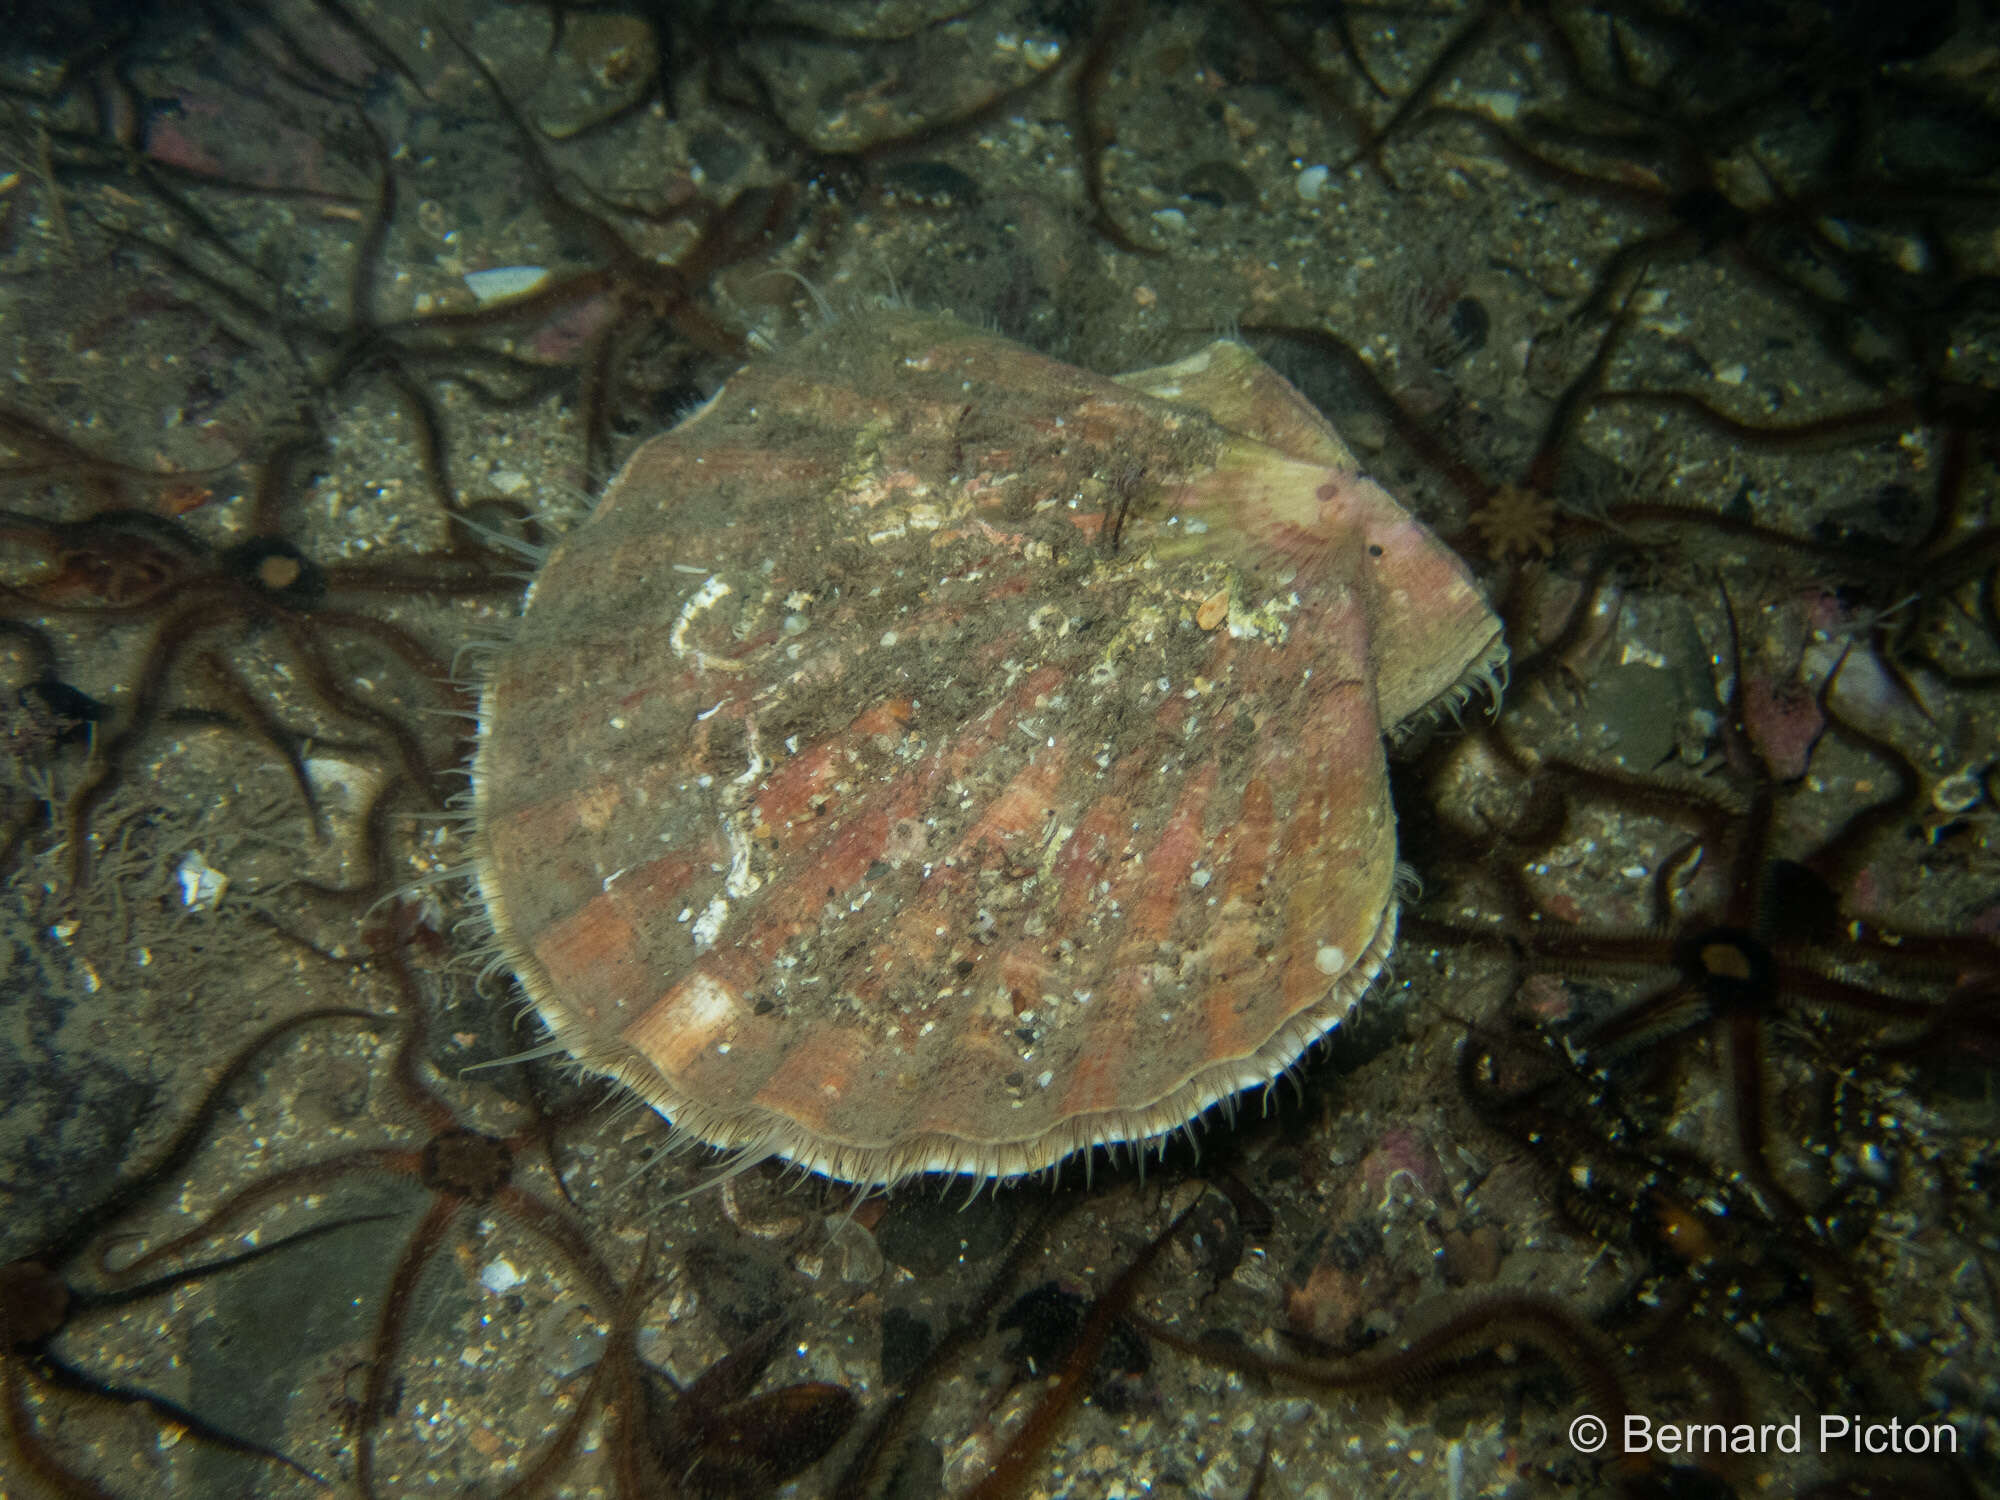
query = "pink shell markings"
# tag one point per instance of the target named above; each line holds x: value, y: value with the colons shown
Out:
x: 933, y: 757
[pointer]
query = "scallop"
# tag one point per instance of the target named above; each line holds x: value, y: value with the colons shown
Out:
x: 932, y: 757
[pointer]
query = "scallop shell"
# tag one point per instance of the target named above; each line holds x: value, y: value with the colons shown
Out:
x: 933, y: 757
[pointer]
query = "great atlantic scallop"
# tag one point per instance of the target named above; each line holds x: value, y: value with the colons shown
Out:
x: 933, y: 757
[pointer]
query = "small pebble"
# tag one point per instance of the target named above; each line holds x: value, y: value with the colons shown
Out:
x: 1959, y: 792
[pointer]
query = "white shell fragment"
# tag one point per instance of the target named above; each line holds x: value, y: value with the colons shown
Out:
x: 202, y: 885
x: 500, y: 283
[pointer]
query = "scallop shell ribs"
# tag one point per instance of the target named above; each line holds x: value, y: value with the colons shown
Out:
x: 933, y: 757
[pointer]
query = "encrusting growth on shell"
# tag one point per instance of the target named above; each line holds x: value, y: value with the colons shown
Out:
x: 933, y: 757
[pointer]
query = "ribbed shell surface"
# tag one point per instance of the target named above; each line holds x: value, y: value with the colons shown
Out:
x: 930, y: 756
